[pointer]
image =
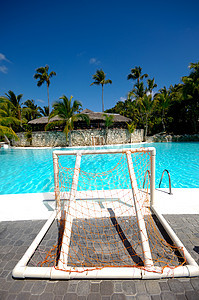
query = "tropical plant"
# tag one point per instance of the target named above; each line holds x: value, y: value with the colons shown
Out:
x: 44, y: 111
x: 136, y: 74
x: 131, y: 128
x: 15, y: 100
x: 68, y: 112
x: 7, y: 119
x: 109, y: 120
x: 147, y: 105
x: 30, y: 111
x: 99, y: 79
x: 42, y: 76
x: 164, y: 103
x: 151, y: 85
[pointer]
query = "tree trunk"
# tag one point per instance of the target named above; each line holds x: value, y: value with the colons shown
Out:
x: 102, y: 98
x: 48, y: 100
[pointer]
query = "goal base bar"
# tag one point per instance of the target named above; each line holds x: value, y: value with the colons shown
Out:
x: 23, y: 271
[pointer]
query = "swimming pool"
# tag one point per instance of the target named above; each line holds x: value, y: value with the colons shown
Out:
x: 31, y: 170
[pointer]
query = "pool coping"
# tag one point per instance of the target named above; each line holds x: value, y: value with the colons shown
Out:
x: 39, y: 206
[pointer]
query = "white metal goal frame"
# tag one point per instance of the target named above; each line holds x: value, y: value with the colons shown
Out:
x: 149, y: 271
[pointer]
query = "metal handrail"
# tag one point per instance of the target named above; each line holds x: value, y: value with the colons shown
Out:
x: 169, y: 180
x: 149, y: 176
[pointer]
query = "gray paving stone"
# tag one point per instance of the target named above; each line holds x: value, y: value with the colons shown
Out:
x: 155, y: 297
x: 152, y: 287
x: 140, y: 286
x: 23, y: 296
x: 128, y: 287
x: 192, y: 295
x: 11, y: 297
x: 117, y: 287
x: 46, y: 296
x: 195, y: 283
x: 60, y: 287
x: 168, y: 296
x: 38, y: 287
x: 187, y: 285
x: 3, y: 295
x: 70, y: 297
x: 176, y: 286
x: 95, y: 287
x: 83, y: 288
x: 106, y: 287
x: 16, y: 287
x: 143, y: 297
x: 94, y: 296
x: 118, y: 297
x: 181, y: 297
x: 72, y: 287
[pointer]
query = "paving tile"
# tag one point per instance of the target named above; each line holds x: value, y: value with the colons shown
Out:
x: 23, y: 296
x: 192, y: 295
x: 128, y: 287
x: 143, y: 297
x: 60, y: 287
x: 181, y: 297
x: 118, y: 297
x: 72, y: 287
x: 11, y: 297
x: 46, y: 296
x: 83, y: 288
x: 195, y: 283
x: 95, y: 287
x: 176, y: 286
x: 168, y: 296
x: 155, y: 297
x: 3, y: 295
x: 152, y: 287
x: 106, y: 287
x: 38, y: 287
x: 70, y: 297
x: 164, y: 286
x: 94, y: 296
x: 16, y: 286
x: 140, y: 286
x: 117, y: 287
x: 187, y: 285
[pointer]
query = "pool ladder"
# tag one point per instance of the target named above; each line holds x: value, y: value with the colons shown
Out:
x: 149, y: 175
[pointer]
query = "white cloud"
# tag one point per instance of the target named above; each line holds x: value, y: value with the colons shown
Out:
x: 40, y: 100
x: 3, y: 69
x: 94, y: 61
x: 122, y: 99
x: 3, y: 57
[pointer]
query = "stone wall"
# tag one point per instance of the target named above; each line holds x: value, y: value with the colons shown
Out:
x: 79, y: 138
x: 173, y: 138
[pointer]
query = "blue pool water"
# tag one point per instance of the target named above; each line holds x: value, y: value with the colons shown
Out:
x: 31, y: 171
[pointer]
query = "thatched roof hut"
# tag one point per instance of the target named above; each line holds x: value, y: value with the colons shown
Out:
x: 97, y: 120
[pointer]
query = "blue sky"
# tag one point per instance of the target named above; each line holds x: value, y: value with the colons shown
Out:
x: 75, y: 38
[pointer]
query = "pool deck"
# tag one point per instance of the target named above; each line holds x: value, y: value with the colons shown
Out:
x: 22, y: 216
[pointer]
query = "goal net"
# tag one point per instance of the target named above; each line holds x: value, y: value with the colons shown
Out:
x: 107, y: 225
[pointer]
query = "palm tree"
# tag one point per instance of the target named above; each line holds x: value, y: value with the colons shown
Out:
x: 30, y: 111
x: 68, y: 112
x: 15, y: 100
x: 7, y: 119
x: 164, y: 102
x: 131, y: 129
x: 108, y: 123
x: 99, y: 78
x: 151, y: 85
x: 147, y: 105
x: 44, y: 111
x: 43, y: 76
x: 136, y: 74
